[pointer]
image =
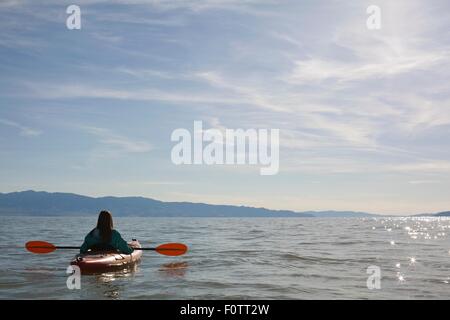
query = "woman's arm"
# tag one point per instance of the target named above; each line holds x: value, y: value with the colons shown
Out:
x: 88, y: 242
x: 121, y: 244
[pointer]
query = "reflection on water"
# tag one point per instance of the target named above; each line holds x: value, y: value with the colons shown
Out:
x: 106, y: 284
x: 421, y: 230
x: 174, y: 269
x: 106, y: 281
x: 123, y: 271
x: 111, y: 284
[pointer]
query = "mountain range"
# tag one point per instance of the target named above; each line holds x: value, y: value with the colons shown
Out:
x: 33, y: 203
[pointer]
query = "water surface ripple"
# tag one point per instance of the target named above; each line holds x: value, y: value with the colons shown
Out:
x: 234, y: 258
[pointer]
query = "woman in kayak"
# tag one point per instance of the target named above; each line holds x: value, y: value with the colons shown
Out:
x: 104, y: 237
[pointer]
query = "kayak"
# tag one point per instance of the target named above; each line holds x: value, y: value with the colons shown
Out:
x: 102, y: 261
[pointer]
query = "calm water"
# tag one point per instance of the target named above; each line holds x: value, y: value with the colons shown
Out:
x: 256, y: 258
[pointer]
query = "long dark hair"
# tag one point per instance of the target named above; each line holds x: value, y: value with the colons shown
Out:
x: 105, y: 225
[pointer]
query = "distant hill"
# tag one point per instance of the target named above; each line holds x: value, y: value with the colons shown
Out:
x: 32, y: 203
x: 340, y: 214
x: 442, y: 214
x: 439, y: 214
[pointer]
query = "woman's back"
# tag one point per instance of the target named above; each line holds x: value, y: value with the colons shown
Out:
x: 104, y: 237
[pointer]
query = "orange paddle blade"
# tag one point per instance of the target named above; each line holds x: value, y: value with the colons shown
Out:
x: 172, y: 249
x: 40, y: 247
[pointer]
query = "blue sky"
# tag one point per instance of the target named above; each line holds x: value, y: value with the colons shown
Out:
x: 364, y: 115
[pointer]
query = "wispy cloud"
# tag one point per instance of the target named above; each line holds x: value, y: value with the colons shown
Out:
x: 20, y: 42
x: 438, y: 166
x: 163, y: 183
x: 317, y: 69
x: 143, y: 73
x: 69, y: 91
x: 247, y: 94
x: 10, y: 3
x: 192, y: 5
x: 423, y: 182
x: 202, y: 5
x: 106, y: 37
x: 401, y: 47
x: 122, y: 143
x: 139, y: 20
x: 23, y: 130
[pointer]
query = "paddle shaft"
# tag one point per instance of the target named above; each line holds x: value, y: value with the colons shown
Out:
x: 72, y: 247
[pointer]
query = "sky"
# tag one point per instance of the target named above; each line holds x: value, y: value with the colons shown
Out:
x: 364, y: 115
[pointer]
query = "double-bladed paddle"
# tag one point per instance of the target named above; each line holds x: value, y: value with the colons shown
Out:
x: 168, y: 249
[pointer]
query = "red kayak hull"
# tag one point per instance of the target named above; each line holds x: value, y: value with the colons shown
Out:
x: 107, y: 261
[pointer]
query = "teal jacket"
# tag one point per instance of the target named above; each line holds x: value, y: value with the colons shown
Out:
x: 93, y: 238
